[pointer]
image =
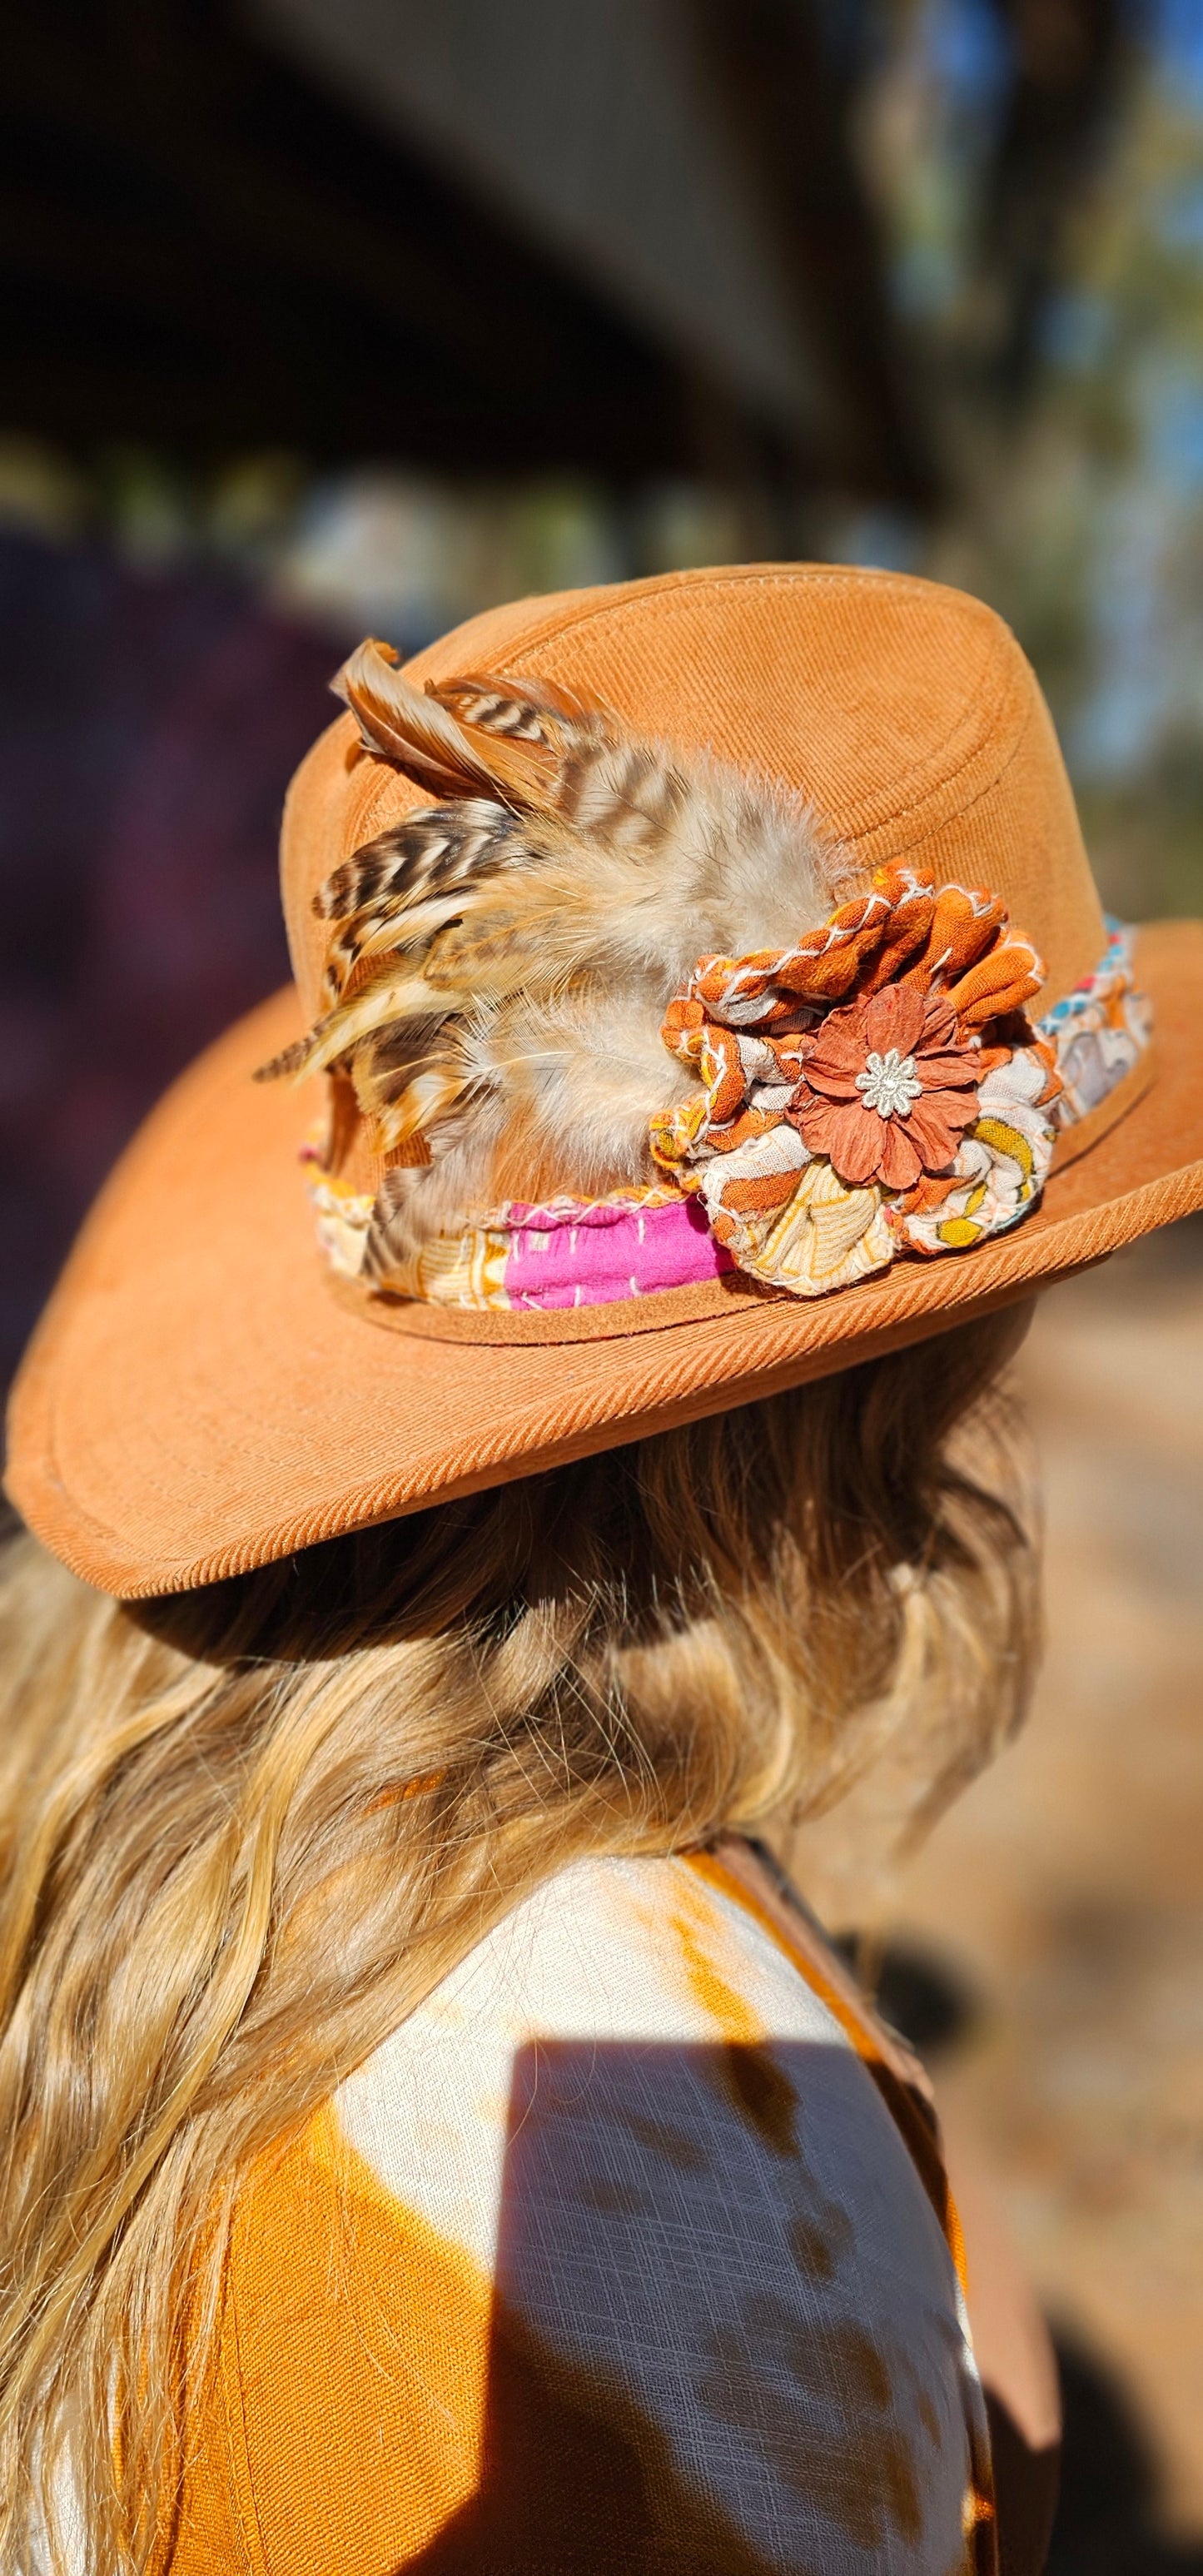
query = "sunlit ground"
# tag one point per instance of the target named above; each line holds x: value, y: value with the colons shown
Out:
x: 1068, y: 1885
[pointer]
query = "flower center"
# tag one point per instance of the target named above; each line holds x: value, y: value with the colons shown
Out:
x: 889, y: 1083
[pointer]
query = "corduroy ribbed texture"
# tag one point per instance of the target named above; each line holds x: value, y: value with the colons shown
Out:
x: 905, y: 712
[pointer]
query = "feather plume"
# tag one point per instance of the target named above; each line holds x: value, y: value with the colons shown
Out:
x: 432, y: 734
x: 499, y: 964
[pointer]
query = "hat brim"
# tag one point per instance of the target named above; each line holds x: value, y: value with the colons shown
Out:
x: 196, y: 1401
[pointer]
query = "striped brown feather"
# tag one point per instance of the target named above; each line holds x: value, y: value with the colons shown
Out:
x: 521, y: 710
x: 427, y: 856
x: 420, y: 734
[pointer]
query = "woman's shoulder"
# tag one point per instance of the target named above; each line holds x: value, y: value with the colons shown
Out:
x: 620, y: 1997
x: 611, y: 2256
x: 645, y: 1948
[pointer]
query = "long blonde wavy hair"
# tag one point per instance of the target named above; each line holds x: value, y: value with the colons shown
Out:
x: 247, y: 1829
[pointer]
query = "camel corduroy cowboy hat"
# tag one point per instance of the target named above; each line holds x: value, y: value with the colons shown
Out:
x: 617, y: 1088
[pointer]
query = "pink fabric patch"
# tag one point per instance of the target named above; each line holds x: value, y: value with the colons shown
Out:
x: 593, y: 1256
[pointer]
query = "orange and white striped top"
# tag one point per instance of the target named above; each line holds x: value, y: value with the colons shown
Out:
x: 618, y: 2255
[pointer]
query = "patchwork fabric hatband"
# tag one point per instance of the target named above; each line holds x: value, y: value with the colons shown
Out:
x: 878, y: 1090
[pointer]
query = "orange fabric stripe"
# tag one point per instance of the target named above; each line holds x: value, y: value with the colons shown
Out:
x: 920, y: 2138
x: 344, y: 2425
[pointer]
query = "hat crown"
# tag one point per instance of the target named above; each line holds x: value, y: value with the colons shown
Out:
x: 905, y: 712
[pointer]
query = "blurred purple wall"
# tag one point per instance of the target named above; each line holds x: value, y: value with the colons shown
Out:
x: 148, y: 728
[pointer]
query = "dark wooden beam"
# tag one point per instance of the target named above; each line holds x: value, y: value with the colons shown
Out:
x: 199, y: 247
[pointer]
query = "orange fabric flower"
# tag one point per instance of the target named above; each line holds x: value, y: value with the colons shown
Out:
x: 887, y: 1087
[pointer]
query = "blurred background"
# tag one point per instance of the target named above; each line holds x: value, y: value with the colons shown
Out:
x: 324, y: 316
